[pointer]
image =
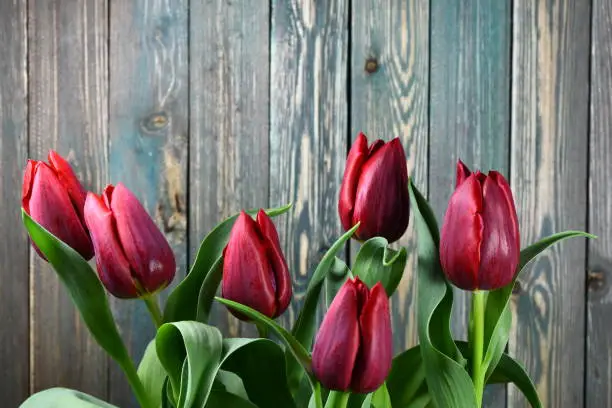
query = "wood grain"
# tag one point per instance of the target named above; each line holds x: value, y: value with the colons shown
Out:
x: 598, y: 362
x: 392, y: 102
x: 149, y: 140
x: 469, y: 108
x: 14, y: 290
x: 550, y: 70
x: 308, y: 130
x: 67, y: 112
x: 229, y: 108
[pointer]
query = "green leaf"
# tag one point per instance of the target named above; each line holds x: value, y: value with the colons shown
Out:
x: 376, y: 262
x: 152, y: 374
x: 448, y: 382
x: 304, y: 327
x: 406, y: 377
x: 509, y: 370
x: 381, y: 398
x: 220, y: 398
x: 498, y: 317
x: 84, y: 287
x: 231, y: 383
x: 63, y: 398
x: 209, y: 290
x: 337, y: 275
x: 183, y: 302
x: 367, y: 402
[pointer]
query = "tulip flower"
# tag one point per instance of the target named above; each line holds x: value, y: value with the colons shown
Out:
x: 374, y: 190
x: 353, y: 348
x: 54, y: 197
x: 132, y: 256
x: 479, y: 244
x: 255, y: 272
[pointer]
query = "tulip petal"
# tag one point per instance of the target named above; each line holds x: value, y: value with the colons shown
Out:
x: 112, y: 265
x: 71, y: 183
x: 461, y: 235
x: 337, y: 342
x: 382, y: 201
x: 145, y: 247
x: 500, y: 249
x: 463, y: 172
x: 373, y: 361
x: 348, y: 189
x: 247, y: 274
x: 277, y: 261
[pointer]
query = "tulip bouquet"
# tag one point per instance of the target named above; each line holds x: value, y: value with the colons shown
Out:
x: 347, y: 360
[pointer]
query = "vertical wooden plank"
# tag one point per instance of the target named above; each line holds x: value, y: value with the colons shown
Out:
x: 149, y: 139
x: 469, y: 108
x: 550, y: 71
x: 14, y: 290
x: 67, y: 112
x: 308, y: 134
x: 598, y: 372
x: 389, y: 98
x: 229, y: 119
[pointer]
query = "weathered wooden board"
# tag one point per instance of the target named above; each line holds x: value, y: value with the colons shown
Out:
x: 550, y: 71
x: 14, y: 289
x: 149, y: 139
x: 68, y: 112
x: 308, y: 129
x: 229, y: 108
x: 469, y: 108
x: 598, y: 370
x: 389, y: 98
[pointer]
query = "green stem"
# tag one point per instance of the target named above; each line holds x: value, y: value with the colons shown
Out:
x: 154, y: 310
x: 317, y: 395
x: 478, y: 308
x: 337, y: 399
x: 262, y: 329
x: 136, y: 384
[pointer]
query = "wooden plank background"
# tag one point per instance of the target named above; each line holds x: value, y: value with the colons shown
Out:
x: 206, y: 107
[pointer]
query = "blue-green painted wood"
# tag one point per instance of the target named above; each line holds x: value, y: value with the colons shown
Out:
x: 149, y: 139
x: 550, y: 88
x: 389, y: 98
x: 67, y: 81
x: 14, y: 290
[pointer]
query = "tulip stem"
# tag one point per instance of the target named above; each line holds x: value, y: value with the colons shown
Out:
x: 337, y: 399
x: 154, y: 310
x: 139, y: 391
x: 478, y: 308
x: 317, y: 395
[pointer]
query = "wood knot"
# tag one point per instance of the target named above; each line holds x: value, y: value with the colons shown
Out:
x: 517, y: 288
x: 155, y: 122
x: 371, y: 65
x: 596, y: 280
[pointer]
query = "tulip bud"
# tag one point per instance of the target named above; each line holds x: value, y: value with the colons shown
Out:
x: 132, y: 256
x: 255, y: 272
x: 374, y: 190
x: 479, y: 244
x: 53, y: 196
x: 353, y: 348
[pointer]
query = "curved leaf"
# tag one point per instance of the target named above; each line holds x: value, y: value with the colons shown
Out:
x: 152, y: 374
x: 377, y: 262
x: 183, y: 302
x: 231, y: 383
x: 63, y: 398
x: 220, y: 398
x: 406, y: 377
x: 337, y: 275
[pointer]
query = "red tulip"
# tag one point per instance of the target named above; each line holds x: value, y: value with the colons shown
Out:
x: 255, y: 272
x: 54, y: 197
x: 374, y: 190
x: 132, y: 256
x: 353, y: 348
x: 479, y: 244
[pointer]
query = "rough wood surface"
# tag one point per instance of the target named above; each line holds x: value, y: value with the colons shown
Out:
x: 229, y: 108
x: 549, y: 162
x: 308, y: 130
x: 149, y: 140
x: 598, y: 362
x: 67, y: 112
x: 469, y: 108
x: 389, y: 98
x: 14, y: 289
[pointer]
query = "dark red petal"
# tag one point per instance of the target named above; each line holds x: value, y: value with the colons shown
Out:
x: 247, y: 275
x: 71, y: 183
x: 282, y: 278
x: 500, y: 249
x: 145, y: 247
x: 462, y: 235
x: 26, y: 187
x: 113, y: 267
x: 382, y: 201
x: 348, y: 189
x: 373, y: 361
x: 337, y: 342
x: 463, y: 172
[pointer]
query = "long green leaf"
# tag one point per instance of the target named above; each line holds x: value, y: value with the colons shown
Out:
x: 448, y: 382
x: 338, y: 274
x: 407, y: 376
x: 63, y: 398
x: 220, y: 398
x: 84, y: 287
x: 231, y: 383
x: 152, y: 374
x: 209, y: 290
x: 183, y: 302
x: 377, y: 262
